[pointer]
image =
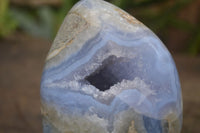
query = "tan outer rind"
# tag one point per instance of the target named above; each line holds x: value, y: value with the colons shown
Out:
x: 132, y: 128
x: 85, y: 20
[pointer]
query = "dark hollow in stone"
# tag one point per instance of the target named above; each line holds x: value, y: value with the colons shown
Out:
x: 109, y: 74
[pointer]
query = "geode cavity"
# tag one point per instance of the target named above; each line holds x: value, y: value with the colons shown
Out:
x: 108, y: 73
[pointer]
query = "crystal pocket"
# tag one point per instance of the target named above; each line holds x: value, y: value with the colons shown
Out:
x: 108, y: 73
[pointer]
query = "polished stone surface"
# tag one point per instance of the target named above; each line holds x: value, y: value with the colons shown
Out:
x: 108, y: 73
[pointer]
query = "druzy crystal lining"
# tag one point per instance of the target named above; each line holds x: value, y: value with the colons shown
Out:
x: 108, y: 73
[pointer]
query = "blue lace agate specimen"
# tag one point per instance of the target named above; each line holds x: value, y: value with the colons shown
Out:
x: 108, y: 73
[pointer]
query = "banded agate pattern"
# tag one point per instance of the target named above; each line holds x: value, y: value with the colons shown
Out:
x: 106, y: 72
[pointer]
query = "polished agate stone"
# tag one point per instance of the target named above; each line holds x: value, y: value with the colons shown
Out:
x: 106, y: 72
